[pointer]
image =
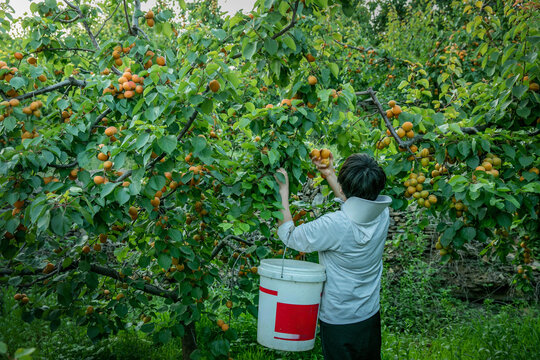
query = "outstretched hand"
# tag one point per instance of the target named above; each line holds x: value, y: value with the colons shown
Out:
x: 282, y: 185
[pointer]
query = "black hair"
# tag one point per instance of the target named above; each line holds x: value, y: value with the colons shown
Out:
x: 361, y: 176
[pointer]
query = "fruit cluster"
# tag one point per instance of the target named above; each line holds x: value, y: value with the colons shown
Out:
x: 414, y: 187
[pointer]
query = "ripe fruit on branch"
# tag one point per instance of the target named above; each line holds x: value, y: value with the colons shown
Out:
x: 86, y: 249
x: 214, y: 85
x: 18, y: 56
x: 312, y: 80
x: 160, y: 61
x: 392, y: 103
x: 407, y: 126
x: 149, y: 15
x: 103, y: 157
x: 98, y: 180
x: 111, y: 130
x: 310, y: 58
x: 396, y: 110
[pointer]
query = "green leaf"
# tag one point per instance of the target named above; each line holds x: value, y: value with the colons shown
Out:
x: 92, y: 331
x: 164, y: 336
x: 199, y: 143
x: 249, y: 49
x: 519, y: 90
x: 167, y: 143
x: 289, y: 42
x: 108, y: 188
x: 164, y: 260
x: 3, y: 348
x: 18, y: 82
x: 122, y: 196
x: 57, y: 223
x: 271, y: 46
x: 334, y: 69
x: 121, y: 309
x: 24, y: 354
x: 219, y: 347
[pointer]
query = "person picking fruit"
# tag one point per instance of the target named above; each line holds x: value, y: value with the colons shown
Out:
x: 350, y: 243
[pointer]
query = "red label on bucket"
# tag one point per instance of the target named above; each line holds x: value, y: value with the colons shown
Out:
x: 268, y: 291
x: 296, y: 322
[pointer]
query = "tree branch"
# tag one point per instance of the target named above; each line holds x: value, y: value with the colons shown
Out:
x: 71, y: 81
x: 361, y: 49
x: 291, y: 24
x: 68, y: 49
x: 100, y: 270
x: 94, y: 124
x: 152, y: 163
x: 89, y: 32
x: 224, y: 242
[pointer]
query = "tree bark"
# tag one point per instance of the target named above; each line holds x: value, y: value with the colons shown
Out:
x: 189, y: 341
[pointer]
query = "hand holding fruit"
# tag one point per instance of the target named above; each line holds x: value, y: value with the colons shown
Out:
x: 323, y: 160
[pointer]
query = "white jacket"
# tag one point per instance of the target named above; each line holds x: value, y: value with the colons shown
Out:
x: 350, y: 243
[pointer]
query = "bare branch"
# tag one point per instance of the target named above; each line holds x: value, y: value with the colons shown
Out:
x: 127, y: 18
x: 71, y: 81
x: 361, y: 49
x: 291, y: 24
x: 107, y: 19
x: 68, y: 49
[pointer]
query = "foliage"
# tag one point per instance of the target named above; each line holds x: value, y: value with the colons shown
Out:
x: 139, y: 154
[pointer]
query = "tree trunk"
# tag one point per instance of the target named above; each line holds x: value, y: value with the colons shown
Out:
x: 189, y: 341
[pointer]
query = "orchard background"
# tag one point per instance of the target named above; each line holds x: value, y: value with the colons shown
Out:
x: 138, y: 151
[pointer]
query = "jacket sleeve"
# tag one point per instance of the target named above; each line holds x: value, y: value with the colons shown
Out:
x: 317, y: 235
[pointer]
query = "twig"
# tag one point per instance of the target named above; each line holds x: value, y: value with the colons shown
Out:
x: 127, y: 18
x: 361, y: 49
x: 107, y: 19
x: 291, y: 24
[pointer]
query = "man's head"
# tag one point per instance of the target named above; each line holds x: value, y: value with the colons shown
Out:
x: 362, y: 177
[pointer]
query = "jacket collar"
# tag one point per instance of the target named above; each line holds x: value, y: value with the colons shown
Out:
x: 362, y: 211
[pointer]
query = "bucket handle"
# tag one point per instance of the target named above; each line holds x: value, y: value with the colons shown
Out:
x: 283, y: 261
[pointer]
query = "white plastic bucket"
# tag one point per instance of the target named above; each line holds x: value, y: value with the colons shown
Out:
x: 289, y: 298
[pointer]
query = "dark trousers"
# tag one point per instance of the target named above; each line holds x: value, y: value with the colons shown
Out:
x: 358, y: 341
